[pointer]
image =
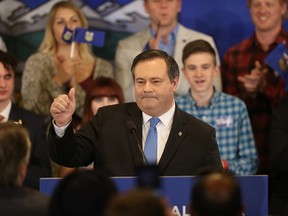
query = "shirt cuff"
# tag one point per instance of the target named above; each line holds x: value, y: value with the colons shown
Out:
x: 60, y: 131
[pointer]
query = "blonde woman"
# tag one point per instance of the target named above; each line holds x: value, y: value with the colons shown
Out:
x: 51, y: 71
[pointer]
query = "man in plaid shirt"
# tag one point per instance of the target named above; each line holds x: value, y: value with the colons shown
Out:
x: 246, y: 76
x: 228, y: 114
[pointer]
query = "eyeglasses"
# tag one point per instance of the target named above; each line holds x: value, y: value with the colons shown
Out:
x: 7, y: 77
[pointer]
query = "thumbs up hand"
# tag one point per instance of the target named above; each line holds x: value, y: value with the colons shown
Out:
x: 63, y: 108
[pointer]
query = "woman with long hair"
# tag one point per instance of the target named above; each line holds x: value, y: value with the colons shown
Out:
x: 52, y: 71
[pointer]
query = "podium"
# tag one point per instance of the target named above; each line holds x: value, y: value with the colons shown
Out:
x: 177, y: 190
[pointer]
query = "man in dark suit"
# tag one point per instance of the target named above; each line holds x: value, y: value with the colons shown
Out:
x: 114, y: 138
x: 278, y: 146
x: 39, y: 165
x: 15, y: 199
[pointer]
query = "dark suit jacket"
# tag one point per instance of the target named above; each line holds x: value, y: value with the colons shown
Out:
x: 20, y: 201
x: 39, y: 164
x: 190, y: 149
x: 278, y: 143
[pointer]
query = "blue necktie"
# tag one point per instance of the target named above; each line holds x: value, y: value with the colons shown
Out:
x: 150, y: 148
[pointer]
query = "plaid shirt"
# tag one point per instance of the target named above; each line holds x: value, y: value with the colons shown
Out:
x: 229, y: 116
x: 240, y: 60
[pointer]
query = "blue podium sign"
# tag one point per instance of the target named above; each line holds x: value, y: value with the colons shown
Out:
x: 177, y: 190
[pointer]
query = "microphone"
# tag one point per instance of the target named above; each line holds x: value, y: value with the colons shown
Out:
x: 132, y: 129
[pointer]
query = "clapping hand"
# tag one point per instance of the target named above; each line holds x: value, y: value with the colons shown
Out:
x: 255, y: 81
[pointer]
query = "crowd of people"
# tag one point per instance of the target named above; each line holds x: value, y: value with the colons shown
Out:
x: 81, y: 113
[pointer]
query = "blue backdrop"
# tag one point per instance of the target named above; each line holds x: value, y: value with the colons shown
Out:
x: 227, y: 21
x: 22, y: 22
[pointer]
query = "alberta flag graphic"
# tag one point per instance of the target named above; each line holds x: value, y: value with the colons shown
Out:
x: 278, y: 60
x: 82, y: 35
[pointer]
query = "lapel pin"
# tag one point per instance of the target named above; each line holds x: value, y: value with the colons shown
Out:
x: 19, y: 122
x: 179, y: 133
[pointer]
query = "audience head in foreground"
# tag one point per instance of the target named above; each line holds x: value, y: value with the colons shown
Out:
x: 82, y: 192
x: 16, y: 199
x: 138, y: 202
x: 216, y: 194
x: 14, y: 153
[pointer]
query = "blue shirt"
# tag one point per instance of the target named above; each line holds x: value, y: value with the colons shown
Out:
x: 229, y: 116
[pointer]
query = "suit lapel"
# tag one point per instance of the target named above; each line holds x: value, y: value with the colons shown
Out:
x: 181, y: 40
x: 144, y: 37
x: 135, y: 116
x: 175, y: 139
x: 14, y: 113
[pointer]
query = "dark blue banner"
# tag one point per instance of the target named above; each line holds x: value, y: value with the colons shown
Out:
x: 177, y: 190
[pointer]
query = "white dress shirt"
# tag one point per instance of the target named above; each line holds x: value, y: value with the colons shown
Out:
x: 163, y: 129
x: 5, y: 113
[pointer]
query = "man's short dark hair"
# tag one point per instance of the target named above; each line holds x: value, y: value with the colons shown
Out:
x: 198, y: 46
x: 140, y: 202
x: 9, y: 62
x: 82, y: 192
x: 216, y: 194
x: 172, y: 66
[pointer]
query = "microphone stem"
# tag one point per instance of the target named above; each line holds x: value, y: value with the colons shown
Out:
x: 140, y: 148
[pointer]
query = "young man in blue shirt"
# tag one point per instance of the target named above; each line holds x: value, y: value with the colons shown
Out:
x: 226, y: 113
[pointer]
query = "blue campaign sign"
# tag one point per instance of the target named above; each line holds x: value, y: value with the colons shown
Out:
x: 177, y: 190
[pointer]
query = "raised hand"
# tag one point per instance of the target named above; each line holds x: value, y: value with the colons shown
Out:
x: 63, y: 108
x: 255, y: 81
x: 66, y: 68
x: 154, y: 41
